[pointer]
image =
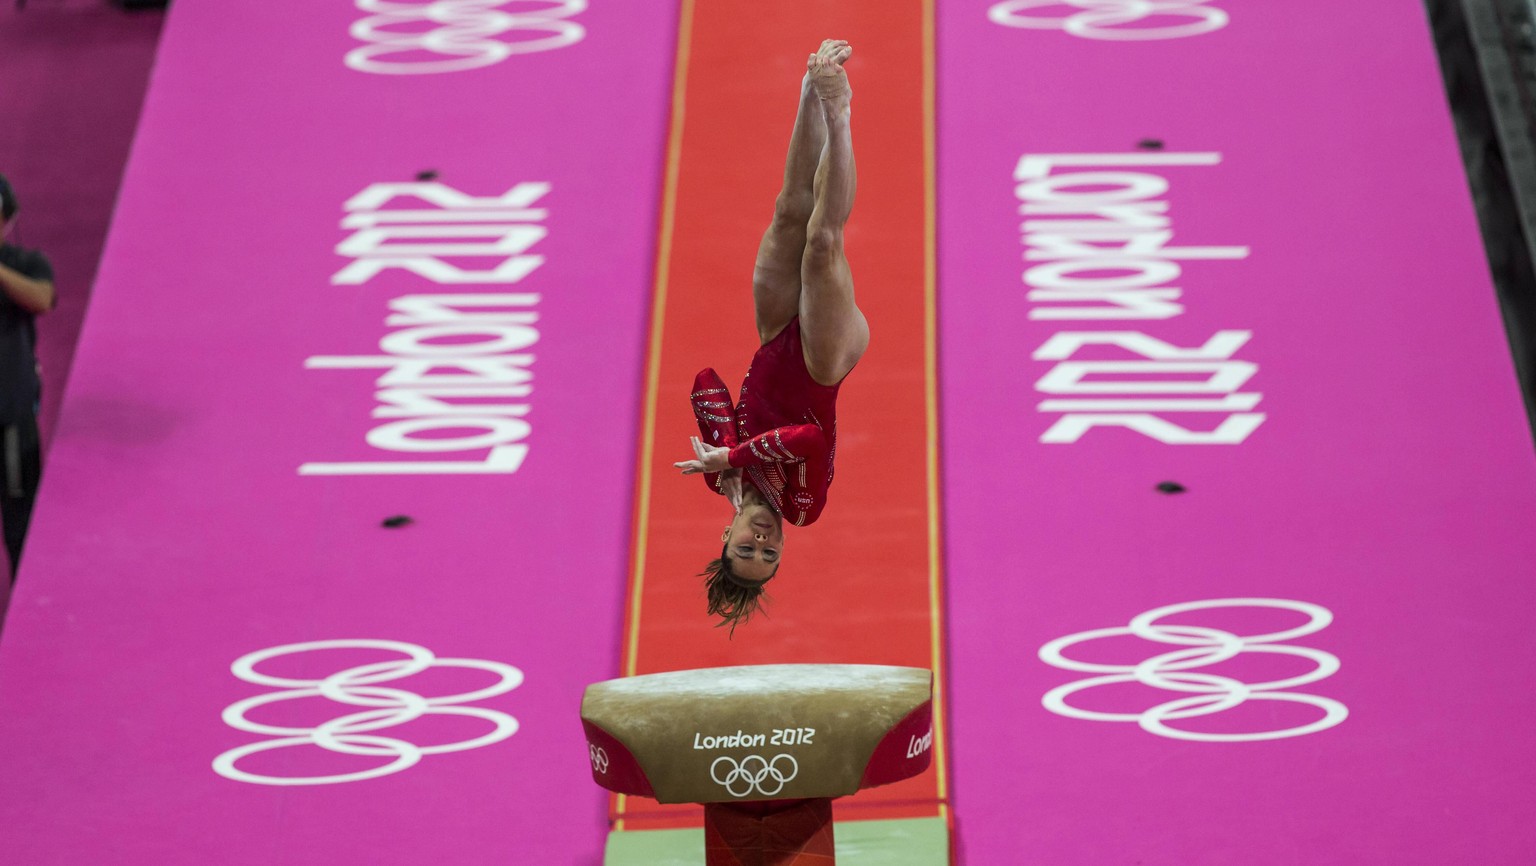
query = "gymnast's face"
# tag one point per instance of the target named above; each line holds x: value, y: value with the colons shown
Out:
x: 754, y: 541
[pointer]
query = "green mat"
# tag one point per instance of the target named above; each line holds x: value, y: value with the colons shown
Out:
x: 906, y: 842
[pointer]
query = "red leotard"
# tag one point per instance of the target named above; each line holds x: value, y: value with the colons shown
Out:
x: 783, y: 432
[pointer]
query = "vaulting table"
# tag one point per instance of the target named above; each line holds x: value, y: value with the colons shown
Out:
x: 764, y: 748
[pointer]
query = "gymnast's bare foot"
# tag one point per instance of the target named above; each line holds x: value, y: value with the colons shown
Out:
x: 824, y: 72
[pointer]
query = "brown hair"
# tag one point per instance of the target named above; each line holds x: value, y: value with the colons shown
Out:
x: 732, y: 597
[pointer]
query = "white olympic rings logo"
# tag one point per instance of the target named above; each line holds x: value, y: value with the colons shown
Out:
x: 467, y: 33
x: 357, y: 686
x: 1209, y: 694
x: 1104, y: 19
x: 754, y: 773
x: 599, y: 759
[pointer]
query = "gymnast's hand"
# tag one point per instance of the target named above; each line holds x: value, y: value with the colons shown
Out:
x: 730, y: 485
x: 710, y: 458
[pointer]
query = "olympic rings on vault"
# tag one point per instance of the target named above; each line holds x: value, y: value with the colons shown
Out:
x: 754, y: 773
x: 352, y: 733
x: 1208, y: 693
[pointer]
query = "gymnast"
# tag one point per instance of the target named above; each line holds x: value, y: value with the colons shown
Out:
x: 770, y: 454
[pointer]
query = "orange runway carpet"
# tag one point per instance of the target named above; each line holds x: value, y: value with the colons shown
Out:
x: 862, y: 585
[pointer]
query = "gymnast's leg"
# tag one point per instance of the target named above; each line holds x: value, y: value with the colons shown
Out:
x: 833, y: 330
x: 776, y: 275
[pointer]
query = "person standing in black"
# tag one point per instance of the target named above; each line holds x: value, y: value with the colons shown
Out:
x: 26, y: 290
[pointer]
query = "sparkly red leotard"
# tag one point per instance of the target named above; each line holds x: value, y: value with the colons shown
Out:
x: 783, y: 431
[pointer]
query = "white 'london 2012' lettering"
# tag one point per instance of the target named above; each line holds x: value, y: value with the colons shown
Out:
x: 1114, y: 20
x: 1098, y: 247
x: 457, y: 366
